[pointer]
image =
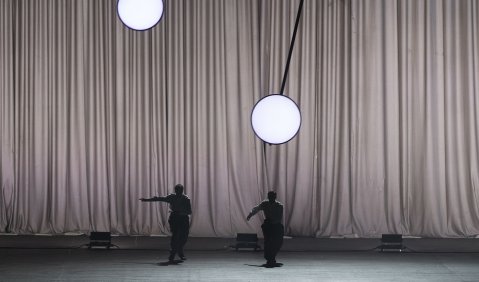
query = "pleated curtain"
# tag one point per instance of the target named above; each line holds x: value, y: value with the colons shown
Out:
x: 94, y: 116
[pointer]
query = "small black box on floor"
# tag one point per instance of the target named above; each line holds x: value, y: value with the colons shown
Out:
x: 247, y: 240
x: 100, y: 239
x: 391, y: 242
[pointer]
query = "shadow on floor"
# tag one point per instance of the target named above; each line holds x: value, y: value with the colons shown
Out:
x: 266, y: 265
x: 170, y: 262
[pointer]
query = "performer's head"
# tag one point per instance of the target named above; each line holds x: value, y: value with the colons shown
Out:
x: 179, y: 189
x: 271, y: 196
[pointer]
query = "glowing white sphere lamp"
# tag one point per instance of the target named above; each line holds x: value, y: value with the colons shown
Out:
x: 140, y: 14
x: 276, y: 119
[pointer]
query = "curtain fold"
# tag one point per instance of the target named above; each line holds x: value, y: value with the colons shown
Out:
x: 7, y: 49
x: 94, y: 116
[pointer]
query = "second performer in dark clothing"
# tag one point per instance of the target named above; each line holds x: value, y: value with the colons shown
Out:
x: 273, y: 230
x: 179, y: 220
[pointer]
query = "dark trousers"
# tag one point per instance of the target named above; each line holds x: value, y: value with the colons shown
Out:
x: 273, y: 240
x: 180, y: 228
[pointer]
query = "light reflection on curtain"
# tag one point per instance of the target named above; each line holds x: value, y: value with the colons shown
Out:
x: 94, y: 116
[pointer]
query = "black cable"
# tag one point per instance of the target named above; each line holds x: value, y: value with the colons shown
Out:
x: 296, y: 24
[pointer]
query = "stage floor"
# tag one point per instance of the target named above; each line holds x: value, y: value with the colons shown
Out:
x: 62, y: 258
x: 149, y: 265
x: 214, y: 244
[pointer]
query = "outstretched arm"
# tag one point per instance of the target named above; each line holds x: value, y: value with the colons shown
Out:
x: 154, y: 199
x: 254, y: 211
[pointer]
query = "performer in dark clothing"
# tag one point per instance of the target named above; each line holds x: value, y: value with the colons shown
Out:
x: 179, y: 220
x: 273, y: 230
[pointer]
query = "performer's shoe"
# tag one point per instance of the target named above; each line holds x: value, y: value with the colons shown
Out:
x: 182, y: 257
x: 171, y: 258
x: 270, y: 263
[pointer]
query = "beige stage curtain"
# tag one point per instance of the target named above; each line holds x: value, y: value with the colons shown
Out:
x: 94, y: 116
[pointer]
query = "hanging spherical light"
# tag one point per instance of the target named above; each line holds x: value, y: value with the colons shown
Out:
x: 276, y: 119
x: 140, y: 14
